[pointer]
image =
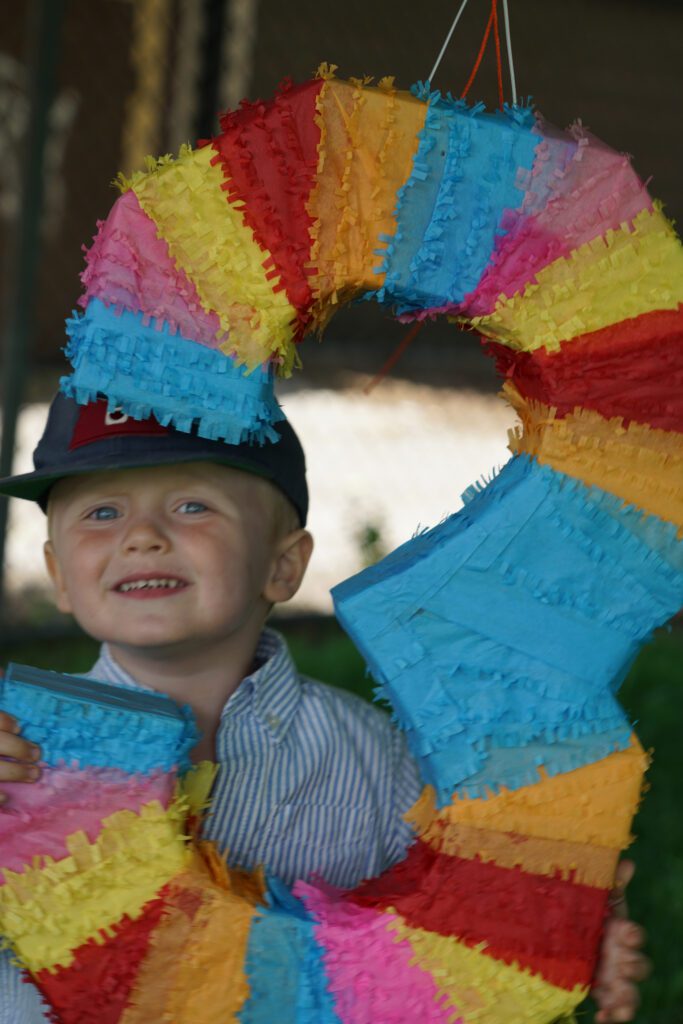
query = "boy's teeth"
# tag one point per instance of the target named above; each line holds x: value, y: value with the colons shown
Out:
x: 144, y: 584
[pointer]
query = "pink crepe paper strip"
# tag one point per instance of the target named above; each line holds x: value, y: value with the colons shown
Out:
x: 597, y: 179
x: 42, y: 816
x: 372, y: 976
x: 130, y: 267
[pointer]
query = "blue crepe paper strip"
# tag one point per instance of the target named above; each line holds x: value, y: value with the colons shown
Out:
x: 284, y: 965
x: 85, y: 723
x: 139, y: 366
x: 501, y: 635
x: 467, y: 174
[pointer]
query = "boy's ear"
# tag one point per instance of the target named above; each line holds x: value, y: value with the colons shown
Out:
x: 289, y: 566
x: 55, y: 573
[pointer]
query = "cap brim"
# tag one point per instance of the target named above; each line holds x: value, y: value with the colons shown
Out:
x: 36, y: 486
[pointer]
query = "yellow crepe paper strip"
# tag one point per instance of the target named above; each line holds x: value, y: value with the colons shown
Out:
x: 195, y: 786
x: 633, y: 270
x: 367, y: 143
x: 208, y: 239
x: 483, y: 988
x: 571, y: 861
x: 593, y: 804
x: 638, y: 463
x: 48, y: 911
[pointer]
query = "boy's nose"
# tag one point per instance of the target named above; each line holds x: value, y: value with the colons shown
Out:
x: 145, y: 535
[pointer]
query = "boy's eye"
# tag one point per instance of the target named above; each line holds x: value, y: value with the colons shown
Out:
x: 192, y: 507
x: 103, y: 513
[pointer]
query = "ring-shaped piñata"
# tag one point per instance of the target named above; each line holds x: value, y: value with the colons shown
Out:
x: 499, y: 637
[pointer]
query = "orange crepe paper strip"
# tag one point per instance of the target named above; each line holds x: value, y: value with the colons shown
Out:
x: 368, y: 139
x: 641, y: 465
x: 578, y: 862
x: 593, y: 804
x: 190, y: 970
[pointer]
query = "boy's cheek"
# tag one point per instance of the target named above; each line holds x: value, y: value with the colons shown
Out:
x: 63, y: 602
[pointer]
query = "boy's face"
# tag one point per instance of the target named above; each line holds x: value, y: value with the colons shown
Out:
x: 165, y: 556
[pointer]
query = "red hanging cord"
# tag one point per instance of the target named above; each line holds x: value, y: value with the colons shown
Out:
x: 492, y: 23
x: 482, y: 48
x: 499, y: 62
x: 395, y: 356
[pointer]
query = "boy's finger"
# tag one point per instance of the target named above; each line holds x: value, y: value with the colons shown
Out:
x: 639, y: 969
x: 625, y: 933
x: 14, y: 771
x: 8, y: 724
x: 626, y: 869
x: 631, y: 935
x: 616, y: 1002
x: 18, y: 748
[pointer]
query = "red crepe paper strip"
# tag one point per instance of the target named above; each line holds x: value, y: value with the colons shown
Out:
x: 633, y: 369
x: 269, y: 156
x: 546, y: 924
x: 95, y: 988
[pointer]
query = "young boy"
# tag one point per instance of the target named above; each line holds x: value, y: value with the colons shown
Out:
x: 171, y: 550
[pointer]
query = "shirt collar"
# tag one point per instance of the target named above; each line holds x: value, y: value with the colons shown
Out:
x: 272, y: 691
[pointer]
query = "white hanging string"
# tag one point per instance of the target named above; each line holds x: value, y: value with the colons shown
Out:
x: 513, y: 84
x: 447, y: 41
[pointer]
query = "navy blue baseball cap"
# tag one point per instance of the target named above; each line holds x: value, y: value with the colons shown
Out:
x: 93, y: 438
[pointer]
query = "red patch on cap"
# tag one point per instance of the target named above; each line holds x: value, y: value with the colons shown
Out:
x: 96, y: 423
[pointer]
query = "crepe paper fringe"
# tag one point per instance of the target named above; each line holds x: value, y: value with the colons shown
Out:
x: 570, y: 861
x: 467, y: 172
x: 644, y: 354
x: 195, y: 787
x: 634, y: 270
x: 268, y: 153
x: 96, y: 987
x: 48, y: 911
x: 488, y: 991
x: 592, y: 805
x: 208, y: 239
x: 146, y: 371
x: 640, y: 465
x: 556, y: 934
x: 485, y: 710
x: 36, y: 820
x: 129, y: 267
x: 372, y: 976
x: 84, y: 734
x: 284, y: 967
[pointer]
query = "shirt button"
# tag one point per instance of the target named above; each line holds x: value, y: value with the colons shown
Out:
x: 273, y: 721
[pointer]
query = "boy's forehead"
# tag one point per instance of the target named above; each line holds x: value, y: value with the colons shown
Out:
x: 161, y: 477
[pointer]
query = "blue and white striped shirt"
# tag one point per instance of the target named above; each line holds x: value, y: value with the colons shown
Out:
x: 311, y: 781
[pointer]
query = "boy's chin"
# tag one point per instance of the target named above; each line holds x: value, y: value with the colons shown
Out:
x: 163, y: 643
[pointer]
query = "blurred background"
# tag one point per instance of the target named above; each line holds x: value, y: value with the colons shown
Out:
x: 89, y: 87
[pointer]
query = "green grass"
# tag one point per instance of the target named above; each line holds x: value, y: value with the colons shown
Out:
x: 652, y: 696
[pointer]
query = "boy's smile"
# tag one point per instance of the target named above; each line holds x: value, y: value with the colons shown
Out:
x: 150, y: 585
x: 165, y: 556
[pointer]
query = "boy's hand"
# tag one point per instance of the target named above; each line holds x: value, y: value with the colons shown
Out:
x: 21, y: 767
x: 621, y: 965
